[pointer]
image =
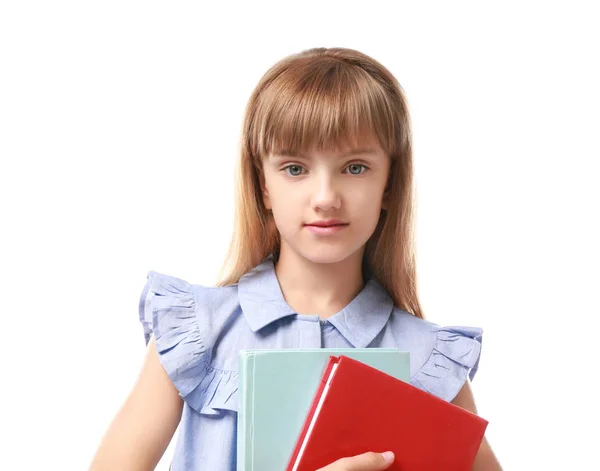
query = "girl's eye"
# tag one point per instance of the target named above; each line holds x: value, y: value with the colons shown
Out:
x: 356, y: 169
x: 293, y: 170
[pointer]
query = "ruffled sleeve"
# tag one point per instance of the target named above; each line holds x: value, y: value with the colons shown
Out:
x: 455, y: 356
x: 169, y: 311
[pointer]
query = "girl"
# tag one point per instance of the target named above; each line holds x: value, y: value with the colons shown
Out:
x: 322, y: 256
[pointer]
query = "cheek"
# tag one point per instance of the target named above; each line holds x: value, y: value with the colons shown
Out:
x: 367, y: 199
x: 286, y: 221
x: 365, y: 205
x: 285, y: 206
x: 280, y: 198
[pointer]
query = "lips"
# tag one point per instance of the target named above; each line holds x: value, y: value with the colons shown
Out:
x: 330, y: 223
x: 326, y: 227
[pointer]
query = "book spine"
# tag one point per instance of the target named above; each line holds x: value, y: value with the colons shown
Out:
x: 245, y: 384
x: 311, y: 412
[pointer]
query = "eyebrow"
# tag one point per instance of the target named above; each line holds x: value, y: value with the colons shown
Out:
x: 359, y: 151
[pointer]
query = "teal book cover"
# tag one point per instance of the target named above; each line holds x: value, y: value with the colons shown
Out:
x: 275, y: 393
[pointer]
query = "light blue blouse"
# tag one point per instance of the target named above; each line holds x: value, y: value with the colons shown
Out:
x: 199, y: 331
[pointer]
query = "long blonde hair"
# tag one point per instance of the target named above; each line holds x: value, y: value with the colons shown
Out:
x: 327, y: 98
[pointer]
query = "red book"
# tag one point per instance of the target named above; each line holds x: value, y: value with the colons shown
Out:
x: 359, y: 408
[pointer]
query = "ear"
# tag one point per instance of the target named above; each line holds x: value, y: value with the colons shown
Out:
x: 385, y: 199
x: 264, y: 191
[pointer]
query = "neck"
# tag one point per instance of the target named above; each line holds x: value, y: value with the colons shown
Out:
x: 318, y: 288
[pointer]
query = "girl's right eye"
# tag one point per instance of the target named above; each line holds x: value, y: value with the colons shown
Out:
x: 293, y: 170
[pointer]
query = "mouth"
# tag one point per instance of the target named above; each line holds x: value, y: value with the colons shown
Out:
x: 331, y: 223
x: 326, y: 228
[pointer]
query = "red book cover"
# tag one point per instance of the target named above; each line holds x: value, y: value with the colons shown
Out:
x: 359, y: 408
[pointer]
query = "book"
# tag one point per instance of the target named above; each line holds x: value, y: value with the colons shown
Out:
x: 276, y: 389
x: 358, y: 408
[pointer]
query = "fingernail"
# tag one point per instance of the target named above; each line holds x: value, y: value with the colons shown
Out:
x: 388, y: 456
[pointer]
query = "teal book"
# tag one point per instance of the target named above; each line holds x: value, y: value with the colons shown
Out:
x: 276, y: 389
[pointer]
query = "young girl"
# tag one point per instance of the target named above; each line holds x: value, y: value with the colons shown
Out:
x: 322, y: 256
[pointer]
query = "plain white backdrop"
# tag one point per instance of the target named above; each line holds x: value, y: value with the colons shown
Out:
x: 119, y: 126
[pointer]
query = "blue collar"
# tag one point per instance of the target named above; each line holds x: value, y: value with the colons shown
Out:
x: 262, y: 303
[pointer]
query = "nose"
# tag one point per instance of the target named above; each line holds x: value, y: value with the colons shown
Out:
x: 326, y: 195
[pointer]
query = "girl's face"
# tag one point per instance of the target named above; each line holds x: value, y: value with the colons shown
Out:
x: 341, y: 190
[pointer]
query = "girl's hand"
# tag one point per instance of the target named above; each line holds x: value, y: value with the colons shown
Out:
x: 365, y: 462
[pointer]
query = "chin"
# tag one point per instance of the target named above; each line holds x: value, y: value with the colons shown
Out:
x: 326, y: 254
x: 325, y: 258
x: 324, y: 251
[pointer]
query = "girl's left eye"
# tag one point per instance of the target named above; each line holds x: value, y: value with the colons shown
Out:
x: 293, y: 170
x: 356, y: 169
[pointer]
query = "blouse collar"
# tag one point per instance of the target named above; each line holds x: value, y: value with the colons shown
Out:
x: 262, y: 303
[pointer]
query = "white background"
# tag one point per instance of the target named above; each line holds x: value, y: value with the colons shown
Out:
x: 119, y: 125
